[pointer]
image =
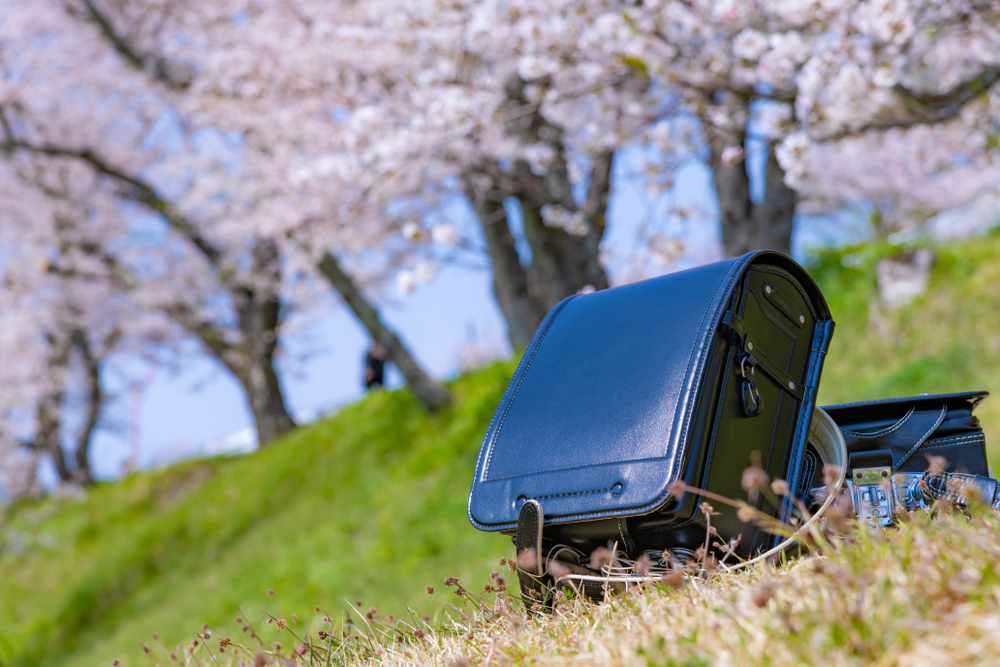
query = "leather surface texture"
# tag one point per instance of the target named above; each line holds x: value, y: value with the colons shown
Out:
x: 604, y: 409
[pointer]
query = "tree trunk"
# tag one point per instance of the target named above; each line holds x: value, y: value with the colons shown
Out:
x: 732, y: 183
x: 259, y: 313
x: 251, y: 359
x: 95, y: 401
x: 47, y: 436
x: 521, y: 311
x: 433, y: 395
x: 267, y: 401
x: 48, y: 412
x: 775, y: 214
x: 746, y: 226
x: 561, y: 263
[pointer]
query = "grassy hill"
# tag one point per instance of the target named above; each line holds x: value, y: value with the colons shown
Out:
x: 924, y: 594
x: 370, y: 504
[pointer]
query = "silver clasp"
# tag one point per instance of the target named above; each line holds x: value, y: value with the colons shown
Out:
x: 872, y: 495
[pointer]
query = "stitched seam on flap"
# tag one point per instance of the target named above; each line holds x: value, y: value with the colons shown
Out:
x: 576, y: 467
x: 952, y: 444
x: 490, y: 437
x: 954, y: 440
x: 885, y: 431
x: 570, y: 494
x: 496, y: 434
x: 937, y: 422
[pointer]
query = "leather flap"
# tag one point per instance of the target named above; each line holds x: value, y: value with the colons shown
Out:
x: 912, y: 426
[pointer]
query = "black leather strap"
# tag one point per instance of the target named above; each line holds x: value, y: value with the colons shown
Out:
x: 528, y: 549
x: 876, y: 458
x: 734, y: 322
x: 906, y: 435
x: 749, y: 346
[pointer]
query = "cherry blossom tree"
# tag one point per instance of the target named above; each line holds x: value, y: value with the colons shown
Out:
x: 259, y: 195
x: 538, y: 135
x: 447, y: 102
x: 900, y: 178
x: 794, y: 76
x: 225, y: 295
x: 770, y: 77
x: 82, y: 123
x: 69, y: 309
x: 221, y: 282
x: 526, y: 103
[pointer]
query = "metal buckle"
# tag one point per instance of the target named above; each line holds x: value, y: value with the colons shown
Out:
x: 872, y: 503
x: 750, y: 397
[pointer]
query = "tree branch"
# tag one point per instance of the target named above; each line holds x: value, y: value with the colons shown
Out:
x: 432, y: 394
x: 920, y: 109
x: 157, y: 66
x: 598, y: 190
x: 132, y: 187
x: 209, y: 335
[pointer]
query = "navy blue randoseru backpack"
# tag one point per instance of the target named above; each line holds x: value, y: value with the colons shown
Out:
x: 622, y: 392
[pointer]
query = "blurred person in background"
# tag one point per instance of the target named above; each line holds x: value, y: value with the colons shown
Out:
x: 374, y: 366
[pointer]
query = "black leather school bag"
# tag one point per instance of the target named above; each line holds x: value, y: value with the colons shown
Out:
x: 897, y: 439
x: 622, y: 392
x: 901, y: 432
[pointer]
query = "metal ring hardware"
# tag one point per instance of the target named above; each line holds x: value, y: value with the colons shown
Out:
x: 750, y: 396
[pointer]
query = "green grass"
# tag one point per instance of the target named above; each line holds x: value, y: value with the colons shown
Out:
x: 370, y: 504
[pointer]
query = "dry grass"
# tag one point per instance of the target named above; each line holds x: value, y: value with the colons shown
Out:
x: 926, y: 593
